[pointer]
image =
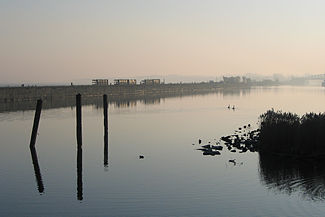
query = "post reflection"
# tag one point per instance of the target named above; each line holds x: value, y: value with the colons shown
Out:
x: 106, y: 149
x: 286, y: 175
x: 79, y: 173
x: 37, y: 170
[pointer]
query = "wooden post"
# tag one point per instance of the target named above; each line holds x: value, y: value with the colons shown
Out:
x: 36, y: 123
x: 79, y: 124
x: 37, y: 170
x: 79, y: 148
x: 105, y: 104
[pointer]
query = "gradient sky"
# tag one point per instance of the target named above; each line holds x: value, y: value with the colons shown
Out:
x: 77, y: 39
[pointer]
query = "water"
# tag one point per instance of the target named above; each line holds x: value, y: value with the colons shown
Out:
x: 173, y: 179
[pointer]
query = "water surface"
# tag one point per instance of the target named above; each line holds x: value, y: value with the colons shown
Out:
x: 173, y: 179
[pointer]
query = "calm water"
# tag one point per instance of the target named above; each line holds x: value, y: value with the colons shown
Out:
x: 173, y: 179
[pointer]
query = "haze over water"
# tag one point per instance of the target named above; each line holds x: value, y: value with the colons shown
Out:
x: 147, y: 162
x: 173, y: 179
x: 64, y: 41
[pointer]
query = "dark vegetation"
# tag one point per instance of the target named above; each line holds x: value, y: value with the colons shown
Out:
x: 288, y: 134
x: 291, y: 151
x: 282, y: 133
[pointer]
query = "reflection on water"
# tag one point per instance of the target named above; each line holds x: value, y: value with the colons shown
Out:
x: 106, y: 147
x: 305, y: 177
x: 125, y: 104
x: 37, y: 170
x: 79, y: 173
x: 171, y: 174
x: 151, y: 101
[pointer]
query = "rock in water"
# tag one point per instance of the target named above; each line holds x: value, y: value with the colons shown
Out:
x: 217, y: 147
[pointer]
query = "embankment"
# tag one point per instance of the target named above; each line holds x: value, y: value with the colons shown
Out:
x: 23, y: 98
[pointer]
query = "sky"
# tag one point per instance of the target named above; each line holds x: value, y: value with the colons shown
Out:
x: 56, y: 41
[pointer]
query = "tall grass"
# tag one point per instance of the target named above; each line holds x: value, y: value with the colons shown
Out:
x: 287, y: 133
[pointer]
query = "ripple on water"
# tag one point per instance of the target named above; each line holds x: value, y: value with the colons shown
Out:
x: 292, y: 176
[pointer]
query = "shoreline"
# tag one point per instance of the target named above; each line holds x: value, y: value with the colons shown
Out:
x: 14, y: 94
x: 24, y: 98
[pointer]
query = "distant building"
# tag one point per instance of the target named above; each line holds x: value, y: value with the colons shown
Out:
x: 125, y: 82
x: 150, y: 81
x: 246, y: 80
x: 231, y: 80
x: 100, y: 82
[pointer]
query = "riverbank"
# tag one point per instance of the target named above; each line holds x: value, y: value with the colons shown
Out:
x: 122, y: 101
x: 23, y: 98
x: 19, y: 94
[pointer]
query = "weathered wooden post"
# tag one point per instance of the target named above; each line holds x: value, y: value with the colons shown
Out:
x: 105, y: 104
x: 79, y: 148
x: 37, y: 170
x: 36, y: 123
x: 78, y: 116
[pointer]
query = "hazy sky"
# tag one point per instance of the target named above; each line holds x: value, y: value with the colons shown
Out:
x: 71, y: 39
